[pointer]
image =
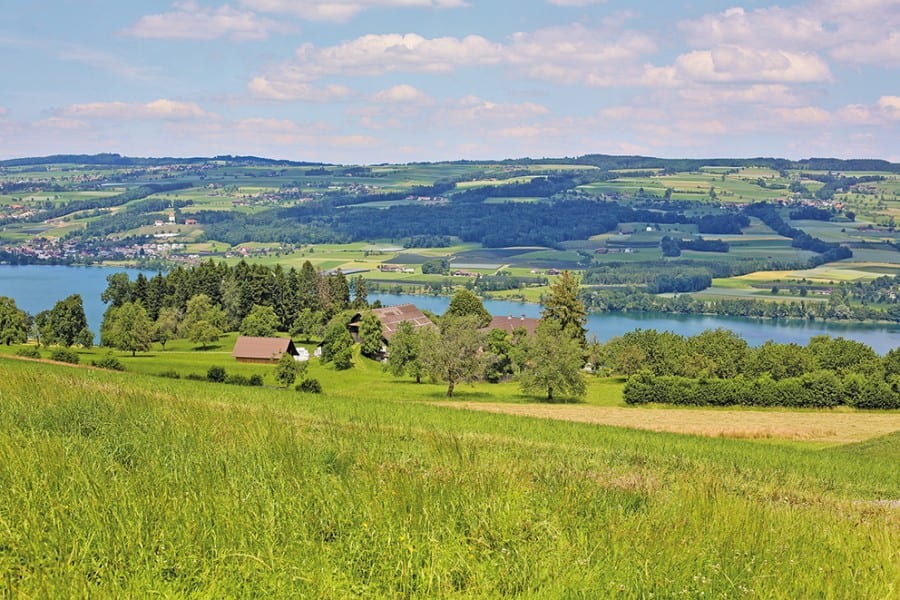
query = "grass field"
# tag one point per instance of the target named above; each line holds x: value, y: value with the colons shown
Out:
x: 124, y: 485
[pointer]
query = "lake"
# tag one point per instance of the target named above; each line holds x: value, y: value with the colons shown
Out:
x: 39, y: 287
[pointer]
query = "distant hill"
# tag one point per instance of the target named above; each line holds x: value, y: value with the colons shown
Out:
x: 603, y: 161
x: 117, y: 160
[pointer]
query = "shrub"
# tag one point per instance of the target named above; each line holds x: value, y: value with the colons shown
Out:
x: 65, y: 355
x: 310, y: 386
x: 29, y: 352
x: 343, y: 360
x: 195, y: 377
x: 109, y: 362
x: 237, y: 380
x: 170, y: 374
x: 216, y: 374
x: 256, y: 380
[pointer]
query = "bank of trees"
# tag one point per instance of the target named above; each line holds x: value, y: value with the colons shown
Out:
x: 719, y: 368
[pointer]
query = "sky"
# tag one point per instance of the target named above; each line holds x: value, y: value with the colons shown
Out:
x: 397, y: 81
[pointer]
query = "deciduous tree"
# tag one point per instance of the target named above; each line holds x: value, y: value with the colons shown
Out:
x: 554, y: 364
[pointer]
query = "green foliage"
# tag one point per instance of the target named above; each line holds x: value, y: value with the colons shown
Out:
x: 288, y: 370
x: 66, y: 324
x: 309, y: 386
x: 109, y: 362
x: 166, y: 326
x: 337, y: 339
x: 66, y: 355
x: 307, y: 324
x: 170, y: 374
x: 29, y: 352
x: 203, y: 322
x: 256, y: 380
x: 565, y: 306
x: 553, y: 365
x: 343, y: 359
x: 404, y: 352
x: 13, y: 322
x: 466, y: 303
x: 127, y: 328
x: 370, y: 335
x: 453, y: 354
x: 260, y: 322
x: 216, y: 374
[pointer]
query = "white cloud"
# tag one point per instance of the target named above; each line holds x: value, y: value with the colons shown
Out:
x: 282, y: 86
x: 724, y: 64
x: 578, y: 54
x: 806, y: 115
x: 341, y: 10
x: 161, y: 109
x: 192, y: 21
x: 570, y: 54
x: 852, y: 31
x: 402, y: 94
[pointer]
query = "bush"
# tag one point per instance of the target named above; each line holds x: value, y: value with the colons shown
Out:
x: 65, y: 355
x: 29, y: 352
x: 310, y: 386
x: 170, y: 374
x: 237, y: 380
x: 195, y: 377
x: 109, y: 362
x: 256, y: 380
x: 216, y: 374
x: 343, y: 360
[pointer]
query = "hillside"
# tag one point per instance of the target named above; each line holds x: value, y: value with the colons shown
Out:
x: 129, y: 484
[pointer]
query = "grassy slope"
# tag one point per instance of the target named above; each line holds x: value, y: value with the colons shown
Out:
x: 129, y: 484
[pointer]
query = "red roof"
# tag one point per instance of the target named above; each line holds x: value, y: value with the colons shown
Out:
x: 392, y: 316
x: 511, y: 323
x: 262, y: 348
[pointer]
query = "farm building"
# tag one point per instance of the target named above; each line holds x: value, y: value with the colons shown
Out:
x: 509, y: 324
x: 391, y: 317
x: 265, y: 349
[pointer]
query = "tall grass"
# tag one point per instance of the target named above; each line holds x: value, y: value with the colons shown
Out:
x: 130, y: 485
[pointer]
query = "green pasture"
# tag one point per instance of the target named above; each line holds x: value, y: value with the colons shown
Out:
x: 130, y: 485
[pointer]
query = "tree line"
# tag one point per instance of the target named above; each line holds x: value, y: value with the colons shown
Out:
x: 717, y: 367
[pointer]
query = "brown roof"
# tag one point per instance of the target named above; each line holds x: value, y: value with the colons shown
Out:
x: 392, y: 316
x: 510, y: 323
x: 262, y: 348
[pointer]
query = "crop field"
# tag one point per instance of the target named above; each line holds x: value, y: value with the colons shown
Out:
x: 127, y: 485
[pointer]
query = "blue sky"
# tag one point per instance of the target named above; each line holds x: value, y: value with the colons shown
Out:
x: 370, y: 81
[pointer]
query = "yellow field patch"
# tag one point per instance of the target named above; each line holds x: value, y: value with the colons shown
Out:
x: 822, y: 427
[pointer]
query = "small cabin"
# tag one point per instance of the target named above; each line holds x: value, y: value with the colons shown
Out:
x: 264, y: 349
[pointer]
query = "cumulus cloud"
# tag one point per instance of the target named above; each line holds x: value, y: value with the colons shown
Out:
x: 285, y: 86
x: 570, y: 54
x: 725, y: 64
x: 192, y: 21
x: 852, y: 31
x: 341, y: 10
x: 402, y: 94
x: 162, y: 109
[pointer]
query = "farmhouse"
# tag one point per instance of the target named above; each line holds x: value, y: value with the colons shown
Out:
x: 391, y: 317
x: 264, y: 349
x: 509, y: 324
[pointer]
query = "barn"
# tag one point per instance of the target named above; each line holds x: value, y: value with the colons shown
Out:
x: 263, y: 349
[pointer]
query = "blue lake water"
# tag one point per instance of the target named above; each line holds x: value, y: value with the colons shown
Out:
x: 39, y: 287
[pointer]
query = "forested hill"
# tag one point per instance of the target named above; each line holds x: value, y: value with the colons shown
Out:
x: 603, y: 161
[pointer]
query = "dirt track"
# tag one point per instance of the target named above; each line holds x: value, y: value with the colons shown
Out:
x: 829, y: 427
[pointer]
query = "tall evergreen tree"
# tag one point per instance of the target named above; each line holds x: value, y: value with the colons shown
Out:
x: 565, y: 306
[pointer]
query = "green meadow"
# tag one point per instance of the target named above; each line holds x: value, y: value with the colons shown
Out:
x: 132, y: 485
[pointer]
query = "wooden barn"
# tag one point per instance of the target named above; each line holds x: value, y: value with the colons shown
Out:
x: 263, y: 349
